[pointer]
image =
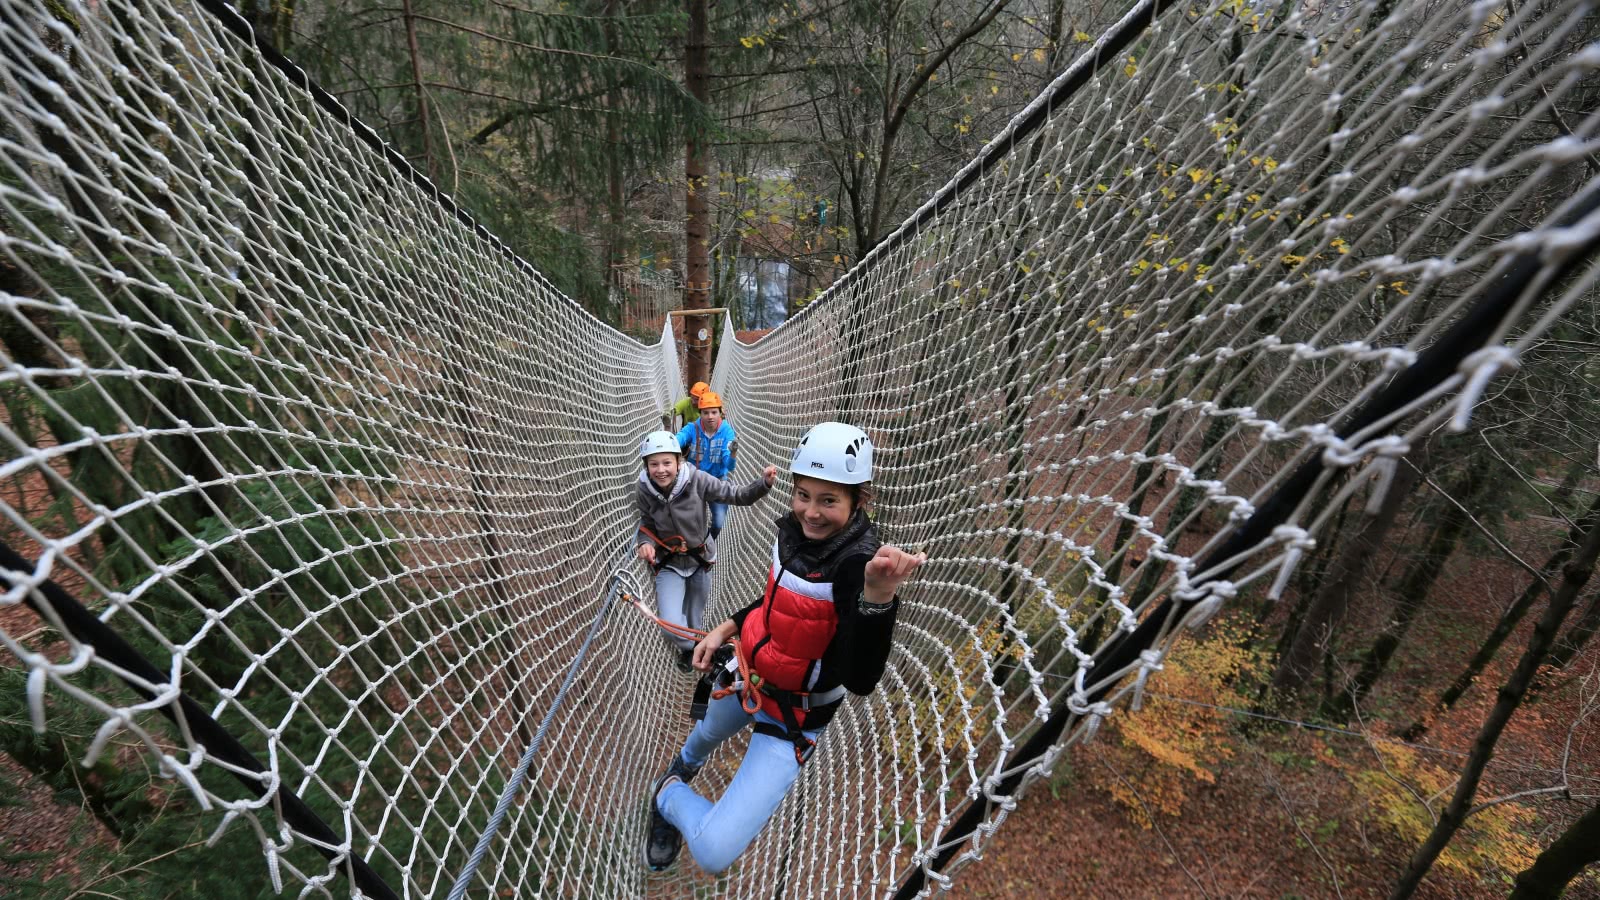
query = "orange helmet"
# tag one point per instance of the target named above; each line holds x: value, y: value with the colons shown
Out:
x: 700, y: 387
x: 710, y: 400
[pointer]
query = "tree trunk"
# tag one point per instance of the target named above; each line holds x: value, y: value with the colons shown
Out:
x: 272, y: 18
x: 1189, y: 497
x: 422, y: 94
x: 464, y: 410
x: 1568, y: 648
x: 1019, y: 385
x: 1307, y: 581
x: 615, y: 235
x: 1411, y: 594
x: 1513, y: 615
x: 697, y: 230
x: 1123, y: 546
x: 1569, y: 482
x: 1574, y: 576
x: 1577, y: 847
x: 1345, y: 576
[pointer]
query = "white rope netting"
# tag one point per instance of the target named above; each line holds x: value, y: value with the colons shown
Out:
x: 646, y: 297
x: 1086, y: 368
x: 355, y: 480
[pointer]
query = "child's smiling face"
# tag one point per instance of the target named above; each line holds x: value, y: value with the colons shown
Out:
x: 821, y: 507
x: 662, y: 469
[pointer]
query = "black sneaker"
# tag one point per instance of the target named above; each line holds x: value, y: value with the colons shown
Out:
x: 686, y: 661
x: 682, y: 769
x: 661, y: 849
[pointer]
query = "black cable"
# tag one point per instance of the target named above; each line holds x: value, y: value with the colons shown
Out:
x: 1435, y: 364
x: 208, y: 733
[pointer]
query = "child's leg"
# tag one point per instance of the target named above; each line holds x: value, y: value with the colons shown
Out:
x: 719, y: 518
x: 724, y: 718
x: 670, y: 587
x: 695, y: 595
x: 717, y: 833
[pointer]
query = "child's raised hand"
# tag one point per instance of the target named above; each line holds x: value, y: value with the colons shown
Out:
x: 770, y: 473
x: 887, y: 570
x: 647, y: 552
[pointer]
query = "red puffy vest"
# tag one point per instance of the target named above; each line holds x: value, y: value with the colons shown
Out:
x: 788, y: 634
x: 790, y: 631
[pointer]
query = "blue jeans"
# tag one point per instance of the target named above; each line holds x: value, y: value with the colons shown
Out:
x: 716, y: 833
x: 682, y: 601
x: 719, y: 516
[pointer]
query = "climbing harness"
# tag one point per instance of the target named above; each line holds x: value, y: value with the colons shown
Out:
x: 678, y: 546
x: 749, y: 701
x: 788, y: 702
x: 730, y: 674
x: 721, y: 676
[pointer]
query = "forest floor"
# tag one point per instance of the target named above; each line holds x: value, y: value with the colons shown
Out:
x: 1283, y: 819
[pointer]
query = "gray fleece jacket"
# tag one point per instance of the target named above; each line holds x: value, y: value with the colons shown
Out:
x: 682, y: 513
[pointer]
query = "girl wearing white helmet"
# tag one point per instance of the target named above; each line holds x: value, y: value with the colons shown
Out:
x: 823, y: 626
x: 673, y: 534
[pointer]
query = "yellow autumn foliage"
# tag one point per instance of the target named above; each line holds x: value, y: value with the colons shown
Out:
x: 1495, y: 840
x: 1176, y: 741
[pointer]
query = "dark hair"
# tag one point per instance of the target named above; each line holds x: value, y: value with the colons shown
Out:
x: 864, y: 493
x: 861, y: 495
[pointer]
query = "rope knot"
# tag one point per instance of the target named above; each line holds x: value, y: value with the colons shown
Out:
x: 1294, y: 536
x: 1383, y: 472
x: 1479, y: 368
x: 1093, y: 714
x: 1298, y: 541
x: 1341, y: 453
x: 1149, y: 661
x: 1207, y: 600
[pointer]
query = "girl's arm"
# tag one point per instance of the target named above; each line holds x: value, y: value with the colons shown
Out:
x: 708, y: 645
x: 715, y: 490
x: 723, y: 633
x: 862, y: 642
x: 865, y: 603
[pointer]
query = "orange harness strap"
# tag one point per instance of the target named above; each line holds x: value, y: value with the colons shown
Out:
x: 679, y: 544
x: 749, y: 684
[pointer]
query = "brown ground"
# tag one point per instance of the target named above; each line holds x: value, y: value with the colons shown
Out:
x: 1237, y: 838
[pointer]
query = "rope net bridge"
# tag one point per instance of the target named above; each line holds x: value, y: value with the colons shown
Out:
x: 316, y: 494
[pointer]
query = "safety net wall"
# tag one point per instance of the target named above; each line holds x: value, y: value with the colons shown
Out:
x: 1128, y: 363
x: 342, y: 485
x: 349, y: 475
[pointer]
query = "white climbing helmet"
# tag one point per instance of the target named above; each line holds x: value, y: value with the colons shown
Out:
x: 836, y: 452
x: 659, y: 442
